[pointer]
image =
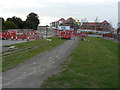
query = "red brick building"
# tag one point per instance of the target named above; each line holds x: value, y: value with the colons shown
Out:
x: 69, y: 22
x: 101, y: 26
x: 62, y: 22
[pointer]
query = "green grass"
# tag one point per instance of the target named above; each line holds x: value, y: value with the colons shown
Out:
x: 94, y: 64
x: 24, y: 53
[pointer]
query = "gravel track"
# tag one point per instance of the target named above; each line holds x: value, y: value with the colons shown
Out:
x: 33, y: 72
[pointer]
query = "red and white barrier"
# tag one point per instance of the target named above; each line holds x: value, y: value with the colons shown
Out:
x: 15, y: 35
x: 28, y: 37
x: 1, y: 35
x: 70, y: 33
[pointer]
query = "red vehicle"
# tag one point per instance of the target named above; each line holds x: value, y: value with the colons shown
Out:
x: 65, y: 35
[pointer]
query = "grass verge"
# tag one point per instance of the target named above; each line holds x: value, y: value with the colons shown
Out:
x: 94, y: 64
x: 28, y: 50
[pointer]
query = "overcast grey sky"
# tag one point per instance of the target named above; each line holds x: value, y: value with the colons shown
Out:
x: 51, y: 10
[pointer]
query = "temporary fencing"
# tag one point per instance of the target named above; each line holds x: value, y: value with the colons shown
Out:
x: 70, y: 33
x: 16, y: 36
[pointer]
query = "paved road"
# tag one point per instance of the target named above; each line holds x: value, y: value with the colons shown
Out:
x: 31, y: 73
x: 10, y: 42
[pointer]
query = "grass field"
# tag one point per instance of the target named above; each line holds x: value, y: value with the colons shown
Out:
x: 93, y: 64
x: 26, y: 51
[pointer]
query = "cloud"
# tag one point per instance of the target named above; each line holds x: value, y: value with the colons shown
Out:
x: 78, y: 1
x: 50, y: 10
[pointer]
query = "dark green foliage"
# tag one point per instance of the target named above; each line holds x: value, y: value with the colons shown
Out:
x: 18, y: 22
x: 3, y: 26
x: 9, y: 25
x: 32, y: 21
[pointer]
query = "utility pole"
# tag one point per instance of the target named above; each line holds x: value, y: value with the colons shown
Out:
x: 81, y: 23
x: 47, y: 30
x: 86, y: 23
x: 96, y: 22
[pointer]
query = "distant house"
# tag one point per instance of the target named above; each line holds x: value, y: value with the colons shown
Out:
x: 61, y: 21
x: 53, y: 25
x: 63, y: 24
x: 100, y: 26
x: 69, y: 24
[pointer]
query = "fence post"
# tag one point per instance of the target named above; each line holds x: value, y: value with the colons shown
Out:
x: 12, y: 36
x: 16, y: 37
x: 28, y: 37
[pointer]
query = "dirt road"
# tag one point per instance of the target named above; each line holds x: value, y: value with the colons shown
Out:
x: 33, y: 72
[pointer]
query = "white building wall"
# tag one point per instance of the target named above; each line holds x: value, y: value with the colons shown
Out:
x: 64, y: 27
x: 60, y: 22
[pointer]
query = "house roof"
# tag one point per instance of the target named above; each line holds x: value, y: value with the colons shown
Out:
x: 52, y: 22
x: 62, y: 19
x: 71, y: 18
x: 93, y: 23
x: 104, y: 21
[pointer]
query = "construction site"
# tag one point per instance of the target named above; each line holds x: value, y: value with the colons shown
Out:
x: 53, y: 52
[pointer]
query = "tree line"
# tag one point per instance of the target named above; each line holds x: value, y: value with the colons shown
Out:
x: 31, y: 22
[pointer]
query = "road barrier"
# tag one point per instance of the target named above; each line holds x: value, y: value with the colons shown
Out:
x: 16, y: 35
x: 70, y: 33
x: 28, y: 37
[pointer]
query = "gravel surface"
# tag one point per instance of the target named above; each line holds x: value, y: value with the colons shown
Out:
x: 114, y: 40
x: 33, y: 72
x: 10, y: 42
x: 94, y: 35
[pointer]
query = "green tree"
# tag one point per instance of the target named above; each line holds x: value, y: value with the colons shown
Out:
x: 3, y: 23
x: 32, y: 21
x: 9, y: 25
x: 24, y: 25
x: 17, y: 21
